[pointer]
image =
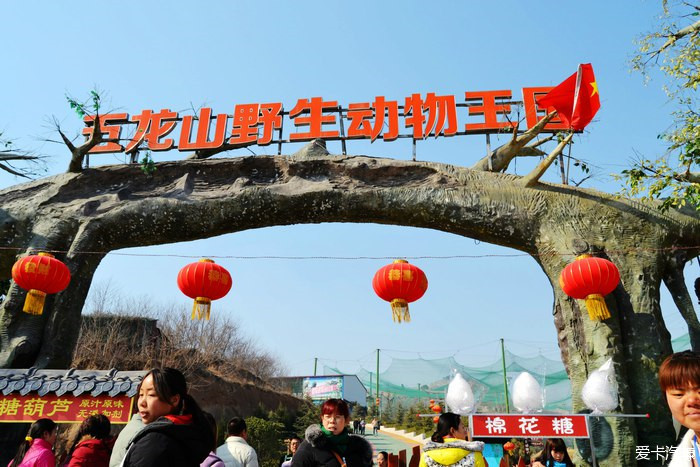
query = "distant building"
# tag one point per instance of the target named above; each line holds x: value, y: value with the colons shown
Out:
x: 320, y: 388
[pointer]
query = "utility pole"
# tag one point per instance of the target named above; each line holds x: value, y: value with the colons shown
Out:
x: 315, y: 364
x: 505, y: 379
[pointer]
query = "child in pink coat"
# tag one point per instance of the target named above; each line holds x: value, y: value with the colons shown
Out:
x: 37, y: 448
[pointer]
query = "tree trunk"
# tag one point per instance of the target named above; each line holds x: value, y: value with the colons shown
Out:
x: 86, y: 215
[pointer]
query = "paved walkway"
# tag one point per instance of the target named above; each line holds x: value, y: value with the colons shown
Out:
x: 390, y: 443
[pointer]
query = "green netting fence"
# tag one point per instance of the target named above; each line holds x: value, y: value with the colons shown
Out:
x: 421, y: 378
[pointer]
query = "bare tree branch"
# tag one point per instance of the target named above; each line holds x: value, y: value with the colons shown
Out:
x: 687, y: 176
x: 530, y: 151
x: 690, y: 177
x: 673, y: 278
x: 578, y: 183
x: 542, y: 141
x: 66, y: 141
x: 207, y: 153
x: 78, y: 153
x: 11, y: 156
x: 533, y: 177
x: 7, y: 168
x: 671, y: 39
x: 32, y: 165
x: 501, y: 157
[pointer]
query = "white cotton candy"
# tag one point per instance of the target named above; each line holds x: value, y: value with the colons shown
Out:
x: 600, y: 391
x: 459, y: 397
x: 527, y: 393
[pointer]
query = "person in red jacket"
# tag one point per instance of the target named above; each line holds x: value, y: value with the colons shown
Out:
x: 93, y: 445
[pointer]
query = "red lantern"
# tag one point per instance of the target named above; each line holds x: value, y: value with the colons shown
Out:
x: 509, y: 446
x: 590, y: 278
x: 432, y: 402
x: 436, y: 408
x: 435, y: 419
x: 39, y: 274
x: 400, y: 283
x: 203, y: 281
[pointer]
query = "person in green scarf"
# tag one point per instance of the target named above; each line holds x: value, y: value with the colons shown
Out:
x: 328, y: 444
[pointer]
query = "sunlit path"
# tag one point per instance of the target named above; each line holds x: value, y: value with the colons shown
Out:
x: 390, y: 443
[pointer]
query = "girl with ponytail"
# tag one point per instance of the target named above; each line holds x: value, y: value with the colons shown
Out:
x: 176, y: 432
x: 449, y: 446
x: 37, y: 448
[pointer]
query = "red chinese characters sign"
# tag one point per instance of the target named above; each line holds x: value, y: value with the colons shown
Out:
x: 423, y: 116
x: 63, y: 409
x: 529, y: 426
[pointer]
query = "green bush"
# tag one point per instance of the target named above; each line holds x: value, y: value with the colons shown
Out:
x: 266, y: 437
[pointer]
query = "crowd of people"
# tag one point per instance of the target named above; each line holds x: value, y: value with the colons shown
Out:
x: 171, y: 430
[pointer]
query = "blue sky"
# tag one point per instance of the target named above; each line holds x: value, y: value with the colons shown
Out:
x: 182, y: 54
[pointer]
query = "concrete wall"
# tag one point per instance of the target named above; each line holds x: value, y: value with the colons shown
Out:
x: 354, y: 390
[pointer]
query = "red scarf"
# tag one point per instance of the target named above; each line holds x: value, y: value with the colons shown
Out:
x: 180, y: 419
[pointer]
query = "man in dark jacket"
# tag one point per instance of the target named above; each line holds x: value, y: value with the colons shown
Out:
x: 170, y: 441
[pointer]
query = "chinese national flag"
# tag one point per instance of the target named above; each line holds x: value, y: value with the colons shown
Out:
x: 576, y: 100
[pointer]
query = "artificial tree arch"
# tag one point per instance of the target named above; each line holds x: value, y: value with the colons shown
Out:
x: 102, y: 209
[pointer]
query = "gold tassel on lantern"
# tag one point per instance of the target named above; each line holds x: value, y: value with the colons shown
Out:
x: 597, y: 309
x: 399, y: 310
x: 201, y: 308
x: 34, y: 303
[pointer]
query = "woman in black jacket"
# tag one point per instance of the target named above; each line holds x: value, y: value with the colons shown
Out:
x: 329, y: 444
x: 176, y: 432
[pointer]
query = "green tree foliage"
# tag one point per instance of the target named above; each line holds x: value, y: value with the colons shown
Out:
x: 266, y: 437
x: 357, y: 411
x: 147, y: 164
x: 388, y: 411
x: 674, y: 49
x: 418, y: 424
x: 287, y: 418
x: 405, y: 417
x: 372, y: 410
x: 307, y: 416
x: 90, y: 106
x: 401, y: 414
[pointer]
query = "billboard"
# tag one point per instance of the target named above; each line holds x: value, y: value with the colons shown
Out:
x: 63, y: 409
x: 319, y: 388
